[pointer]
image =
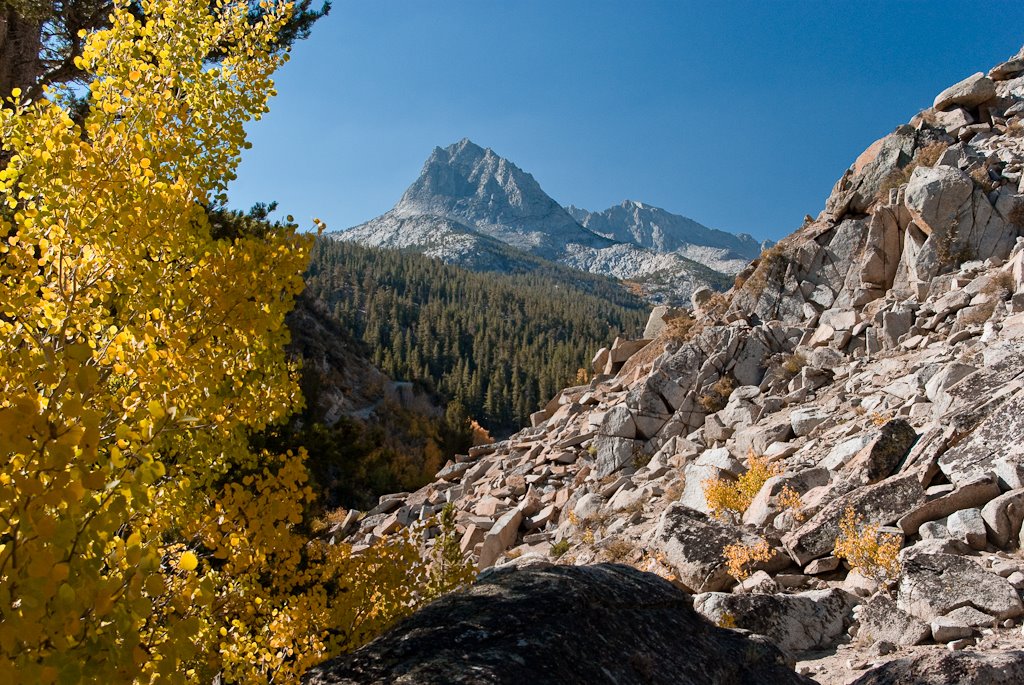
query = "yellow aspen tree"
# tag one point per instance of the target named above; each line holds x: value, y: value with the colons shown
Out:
x: 141, y: 539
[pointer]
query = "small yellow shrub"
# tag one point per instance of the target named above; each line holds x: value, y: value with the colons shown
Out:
x: 740, y: 558
x: 789, y: 500
x: 727, y: 620
x: 717, y: 395
x: 729, y: 499
x: 875, y: 555
x: 558, y: 549
x: 879, y: 419
x: 792, y: 364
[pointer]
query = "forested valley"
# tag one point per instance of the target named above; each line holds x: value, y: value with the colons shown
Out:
x: 500, y: 344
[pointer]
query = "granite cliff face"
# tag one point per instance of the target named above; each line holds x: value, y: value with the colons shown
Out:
x: 873, y: 362
x: 476, y: 209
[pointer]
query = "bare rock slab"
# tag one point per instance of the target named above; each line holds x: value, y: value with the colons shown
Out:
x: 997, y: 438
x: 880, y: 619
x: 933, y: 585
x: 796, y: 623
x: 548, y: 624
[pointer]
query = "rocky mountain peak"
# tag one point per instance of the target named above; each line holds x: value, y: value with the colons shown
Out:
x: 470, y: 205
x: 477, y: 187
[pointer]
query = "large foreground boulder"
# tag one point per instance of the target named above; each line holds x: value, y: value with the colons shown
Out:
x: 561, y: 624
x: 949, y: 668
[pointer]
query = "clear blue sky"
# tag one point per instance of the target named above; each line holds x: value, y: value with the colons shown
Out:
x: 739, y: 115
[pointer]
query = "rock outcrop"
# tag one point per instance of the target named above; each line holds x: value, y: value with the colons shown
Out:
x: 561, y: 624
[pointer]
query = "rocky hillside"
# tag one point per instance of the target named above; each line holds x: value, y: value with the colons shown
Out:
x: 476, y: 209
x: 845, y: 425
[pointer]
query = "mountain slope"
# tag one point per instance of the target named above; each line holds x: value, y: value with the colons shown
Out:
x: 473, y: 208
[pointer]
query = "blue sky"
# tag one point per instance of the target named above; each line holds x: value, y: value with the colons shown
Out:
x: 739, y: 115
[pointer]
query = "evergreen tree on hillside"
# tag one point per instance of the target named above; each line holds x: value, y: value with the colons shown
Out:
x: 500, y: 344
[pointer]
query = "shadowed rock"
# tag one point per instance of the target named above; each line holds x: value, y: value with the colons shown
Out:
x: 561, y: 624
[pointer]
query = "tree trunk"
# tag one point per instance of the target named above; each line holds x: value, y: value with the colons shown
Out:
x: 20, y: 47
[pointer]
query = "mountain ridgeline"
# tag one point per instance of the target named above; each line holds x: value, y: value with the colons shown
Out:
x: 476, y: 209
x: 502, y: 344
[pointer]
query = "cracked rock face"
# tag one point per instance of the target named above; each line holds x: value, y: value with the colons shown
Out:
x: 561, y: 624
x: 796, y: 623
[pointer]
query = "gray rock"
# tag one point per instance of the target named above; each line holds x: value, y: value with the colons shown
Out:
x: 693, y: 542
x: 881, y: 457
x: 946, y: 629
x: 881, y: 503
x: 932, y: 585
x: 796, y: 623
x: 954, y: 120
x: 1003, y: 517
x: 701, y: 296
x: 550, y: 624
x: 695, y: 475
x: 588, y: 505
x: 969, y: 616
x: 880, y: 619
x: 658, y: 320
x: 996, y: 438
x: 823, y: 565
x: 805, y: 420
x: 722, y: 460
x: 950, y: 374
x: 1008, y: 69
x: 764, y: 508
x: 968, y: 527
x: 971, y: 92
x: 612, y: 454
x: 971, y: 494
x: 949, y: 668
x: 759, y: 437
x: 935, y: 195
x: 618, y: 423
x: 933, y: 530
x: 500, y: 537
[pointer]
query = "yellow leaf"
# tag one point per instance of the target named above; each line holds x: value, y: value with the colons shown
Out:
x: 188, y: 561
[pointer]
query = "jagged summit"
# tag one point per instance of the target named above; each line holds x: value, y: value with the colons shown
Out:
x: 476, y: 187
x: 471, y: 206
